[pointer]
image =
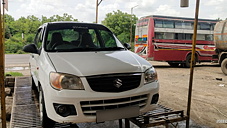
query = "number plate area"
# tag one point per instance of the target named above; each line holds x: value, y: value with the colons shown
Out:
x: 119, y: 113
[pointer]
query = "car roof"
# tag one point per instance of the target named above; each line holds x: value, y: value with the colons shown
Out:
x: 71, y: 22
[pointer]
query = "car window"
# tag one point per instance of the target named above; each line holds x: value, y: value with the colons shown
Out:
x: 38, y: 38
x: 94, y: 37
x: 108, y: 39
x: 77, y: 38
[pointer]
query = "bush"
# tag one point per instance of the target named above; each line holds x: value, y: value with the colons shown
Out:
x: 14, y: 44
x: 20, y: 52
x: 13, y: 74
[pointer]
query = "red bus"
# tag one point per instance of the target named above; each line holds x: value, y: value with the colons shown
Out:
x: 166, y: 38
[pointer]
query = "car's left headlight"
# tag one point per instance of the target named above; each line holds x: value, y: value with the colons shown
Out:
x: 150, y: 75
x: 61, y: 81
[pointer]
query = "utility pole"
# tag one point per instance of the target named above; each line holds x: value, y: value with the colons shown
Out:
x: 97, y: 5
x: 131, y: 25
x: 2, y: 69
x: 192, y: 63
x: 184, y: 3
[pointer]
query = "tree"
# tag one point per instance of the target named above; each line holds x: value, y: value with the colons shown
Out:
x: 32, y: 23
x: 9, y: 20
x: 219, y: 19
x: 120, y: 24
x: 65, y: 17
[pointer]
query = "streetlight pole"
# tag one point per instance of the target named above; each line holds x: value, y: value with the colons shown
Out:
x: 97, y: 5
x: 131, y: 25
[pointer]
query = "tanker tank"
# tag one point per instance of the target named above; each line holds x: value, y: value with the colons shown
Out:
x: 220, y: 35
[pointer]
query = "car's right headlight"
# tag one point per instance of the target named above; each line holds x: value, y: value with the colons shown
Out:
x: 150, y: 75
x: 61, y: 81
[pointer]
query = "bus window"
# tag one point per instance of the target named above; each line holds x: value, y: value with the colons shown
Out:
x: 187, y: 25
x: 178, y: 25
x: 204, y: 26
x: 209, y: 37
x: 164, y: 35
x: 169, y: 35
x: 158, y: 23
x: 200, y: 37
x: 212, y: 27
x: 179, y: 36
x: 188, y: 36
x: 159, y: 35
x: 168, y: 24
x: 198, y: 26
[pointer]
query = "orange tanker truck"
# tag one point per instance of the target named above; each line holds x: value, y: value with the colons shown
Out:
x: 220, y: 40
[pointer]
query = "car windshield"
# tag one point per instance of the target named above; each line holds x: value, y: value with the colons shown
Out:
x: 67, y: 37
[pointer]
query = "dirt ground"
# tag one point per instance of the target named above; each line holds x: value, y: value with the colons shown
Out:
x: 209, y: 104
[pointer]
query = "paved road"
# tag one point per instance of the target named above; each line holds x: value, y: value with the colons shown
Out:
x: 16, y: 59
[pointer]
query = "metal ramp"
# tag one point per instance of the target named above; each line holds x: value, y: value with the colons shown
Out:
x: 25, y: 106
x: 25, y: 112
x: 160, y: 116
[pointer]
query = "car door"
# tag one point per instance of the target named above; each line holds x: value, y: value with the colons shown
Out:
x: 34, y: 57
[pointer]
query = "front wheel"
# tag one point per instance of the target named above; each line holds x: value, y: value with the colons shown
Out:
x: 45, y: 121
x: 224, y: 66
x: 33, y: 85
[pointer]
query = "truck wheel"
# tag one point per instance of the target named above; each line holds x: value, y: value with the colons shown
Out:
x: 224, y: 66
x: 45, y: 121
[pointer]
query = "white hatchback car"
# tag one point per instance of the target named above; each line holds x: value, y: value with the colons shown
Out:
x: 84, y: 74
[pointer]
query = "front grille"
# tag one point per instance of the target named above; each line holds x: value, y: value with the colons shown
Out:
x: 114, y: 82
x: 90, y: 107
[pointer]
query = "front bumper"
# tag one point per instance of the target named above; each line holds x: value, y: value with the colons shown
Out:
x: 88, y: 102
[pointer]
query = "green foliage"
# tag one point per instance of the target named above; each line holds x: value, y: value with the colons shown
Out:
x: 120, y: 24
x: 22, y: 31
x: 13, y: 44
x: 124, y: 37
x: 13, y: 74
x: 9, y: 21
x: 30, y: 38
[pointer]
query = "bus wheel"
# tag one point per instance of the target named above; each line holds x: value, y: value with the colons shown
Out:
x: 224, y: 66
x: 188, y: 61
x: 173, y: 64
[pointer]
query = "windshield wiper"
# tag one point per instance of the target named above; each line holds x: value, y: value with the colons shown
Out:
x: 112, y: 48
x: 89, y: 49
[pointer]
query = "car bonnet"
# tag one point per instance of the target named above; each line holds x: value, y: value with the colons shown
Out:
x: 97, y: 63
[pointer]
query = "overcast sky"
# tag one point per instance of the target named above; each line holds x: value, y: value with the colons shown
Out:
x: 84, y: 10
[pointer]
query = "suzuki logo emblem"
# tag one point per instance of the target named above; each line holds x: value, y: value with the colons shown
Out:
x: 118, y: 83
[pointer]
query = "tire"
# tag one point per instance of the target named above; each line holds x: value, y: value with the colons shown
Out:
x: 173, y: 64
x: 33, y: 85
x: 45, y: 121
x: 224, y: 66
x: 74, y: 126
x: 188, y: 61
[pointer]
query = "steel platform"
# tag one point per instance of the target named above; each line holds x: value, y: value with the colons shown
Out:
x: 25, y: 113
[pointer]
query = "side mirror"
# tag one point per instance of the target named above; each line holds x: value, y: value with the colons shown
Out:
x: 31, y: 48
x: 127, y: 45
